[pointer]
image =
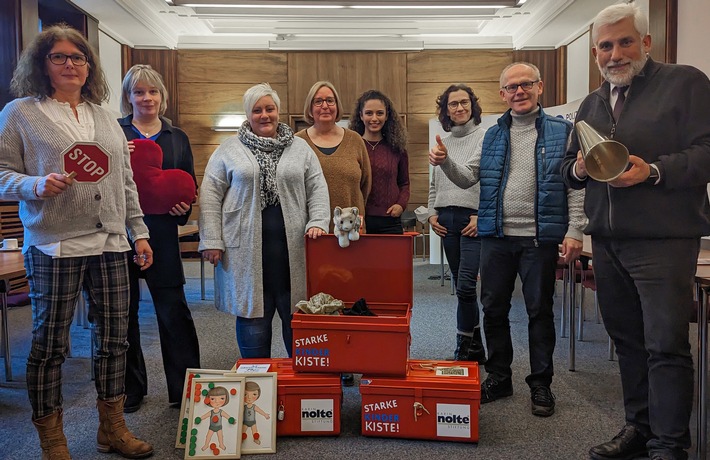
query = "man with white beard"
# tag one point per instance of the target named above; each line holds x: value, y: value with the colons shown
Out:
x: 646, y: 227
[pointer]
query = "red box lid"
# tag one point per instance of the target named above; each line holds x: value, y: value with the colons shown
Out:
x: 375, y: 267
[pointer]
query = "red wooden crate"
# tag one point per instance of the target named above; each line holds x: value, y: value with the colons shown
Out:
x: 377, y: 268
x: 437, y: 400
x: 310, y: 403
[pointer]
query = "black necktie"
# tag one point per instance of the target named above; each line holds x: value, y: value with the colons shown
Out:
x: 621, y: 97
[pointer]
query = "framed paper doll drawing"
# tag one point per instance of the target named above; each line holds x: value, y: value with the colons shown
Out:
x: 183, y: 421
x: 216, y: 411
x: 258, y: 434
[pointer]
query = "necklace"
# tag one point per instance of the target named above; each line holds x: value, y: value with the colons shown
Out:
x: 147, y: 130
x: 372, y: 146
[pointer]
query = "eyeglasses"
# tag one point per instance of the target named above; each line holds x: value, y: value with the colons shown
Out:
x: 61, y: 59
x: 330, y: 101
x: 526, y: 85
x: 453, y: 105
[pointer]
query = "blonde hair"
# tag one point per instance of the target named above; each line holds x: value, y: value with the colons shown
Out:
x: 308, y: 106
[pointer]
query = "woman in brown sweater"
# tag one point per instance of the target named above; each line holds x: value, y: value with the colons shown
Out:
x: 341, y: 152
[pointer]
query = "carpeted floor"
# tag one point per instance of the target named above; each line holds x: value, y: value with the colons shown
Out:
x: 589, y: 408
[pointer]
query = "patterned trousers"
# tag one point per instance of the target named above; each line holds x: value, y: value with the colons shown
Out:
x: 55, y: 287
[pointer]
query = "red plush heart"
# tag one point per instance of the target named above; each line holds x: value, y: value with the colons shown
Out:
x: 158, y: 190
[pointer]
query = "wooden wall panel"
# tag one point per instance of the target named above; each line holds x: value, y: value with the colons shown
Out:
x: 392, y: 78
x: 419, y: 189
x: 302, y: 73
x: 422, y: 97
x: 418, y: 158
x: 222, y: 97
x: 455, y: 66
x: 418, y: 127
x: 249, y: 67
x: 199, y: 129
x: 201, y: 154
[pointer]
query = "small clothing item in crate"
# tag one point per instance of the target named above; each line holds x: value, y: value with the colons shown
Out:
x: 359, y: 308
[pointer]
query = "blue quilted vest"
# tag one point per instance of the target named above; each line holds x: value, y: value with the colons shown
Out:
x: 551, y: 201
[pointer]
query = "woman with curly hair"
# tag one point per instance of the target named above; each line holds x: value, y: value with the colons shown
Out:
x: 377, y: 121
x: 453, y: 215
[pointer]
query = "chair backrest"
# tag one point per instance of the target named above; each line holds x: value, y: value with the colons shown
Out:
x: 11, y: 227
x: 409, y: 220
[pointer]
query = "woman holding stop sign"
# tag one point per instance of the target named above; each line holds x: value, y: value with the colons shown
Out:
x: 75, y: 232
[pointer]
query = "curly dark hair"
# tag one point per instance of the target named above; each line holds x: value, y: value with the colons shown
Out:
x: 30, y: 77
x: 442, y: 109
x: 393, y: 132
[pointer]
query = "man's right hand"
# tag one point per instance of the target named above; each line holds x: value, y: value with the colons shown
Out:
x: 438, y: 153
x: 212, y: 255
x: 580, y: 169
x: 439, y: 229
x: 52, y: 185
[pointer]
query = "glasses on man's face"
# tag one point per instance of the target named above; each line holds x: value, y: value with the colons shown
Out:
x: 526, y: 85
x: 61, y: 59
x: 330, y: 101
x: 465, y: 103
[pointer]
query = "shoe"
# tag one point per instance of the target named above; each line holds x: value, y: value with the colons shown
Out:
x: 347, y: 379
x: 543, y: 401
x: 463, y: 343
x: 132, y: 404
x: 113, y: 434
x: 476, y: 351
x: 492, y: 389
x: 628, y: 444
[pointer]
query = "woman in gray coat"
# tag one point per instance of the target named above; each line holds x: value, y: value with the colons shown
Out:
x: 262, y: 190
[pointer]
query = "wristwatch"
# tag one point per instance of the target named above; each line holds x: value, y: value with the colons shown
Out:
x: 652, y: 176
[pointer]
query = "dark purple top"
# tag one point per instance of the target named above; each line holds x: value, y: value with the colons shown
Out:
x: 390, y: 179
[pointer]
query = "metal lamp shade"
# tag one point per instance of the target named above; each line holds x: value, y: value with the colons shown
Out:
x: 604, y: 158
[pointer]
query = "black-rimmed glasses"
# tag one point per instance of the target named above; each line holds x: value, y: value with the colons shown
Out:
x: 61, y: 59
x: 453, y: 105
x: 330, y: 101
x: 526, y: 85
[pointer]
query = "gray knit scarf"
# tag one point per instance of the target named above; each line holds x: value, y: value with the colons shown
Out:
x: 267, y: 151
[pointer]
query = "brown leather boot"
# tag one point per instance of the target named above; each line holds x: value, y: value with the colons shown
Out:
x: 51, y: 437
x: 113, y: 435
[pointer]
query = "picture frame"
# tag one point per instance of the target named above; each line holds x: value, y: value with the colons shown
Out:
x: 259, y: 421
x: 216, y: 408
x: 183, y: 420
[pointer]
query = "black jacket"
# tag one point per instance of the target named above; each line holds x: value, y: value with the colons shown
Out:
x: 167, y: 265
x: 664, y: 121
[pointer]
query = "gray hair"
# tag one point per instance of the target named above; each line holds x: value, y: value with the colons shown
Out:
x: 142, y: 73
x: 256, y: 92
x: 615, y: 13
x: 308, y: 106
x: 534, y: 68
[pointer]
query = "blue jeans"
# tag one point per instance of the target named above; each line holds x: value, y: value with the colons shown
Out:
x: 254, y: 334
x: 464, y: 255
x: 501, y: 260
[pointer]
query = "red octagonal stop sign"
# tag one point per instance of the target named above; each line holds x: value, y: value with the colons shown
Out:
x: 88, y: 161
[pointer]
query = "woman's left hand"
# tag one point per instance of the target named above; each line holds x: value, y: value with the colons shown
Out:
x: 180, y: 209
x: 314, y: 232
x: 144, y: 254
x: 471, y: 230
x: 395, y: 210
x: 131, y: 146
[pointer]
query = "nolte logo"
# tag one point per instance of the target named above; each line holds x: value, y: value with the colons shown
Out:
x: 453, y: 420
x: 317, y: 415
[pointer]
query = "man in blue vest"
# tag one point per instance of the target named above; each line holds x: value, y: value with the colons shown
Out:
x: 525, y: 213
x: 646, y: 227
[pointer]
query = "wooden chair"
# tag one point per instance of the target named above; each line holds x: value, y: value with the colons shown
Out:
x: 11, y: 227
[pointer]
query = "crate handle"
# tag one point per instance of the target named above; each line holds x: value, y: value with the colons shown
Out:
x: 418, y: 407
x: 347, y: 339
x: 281, y: 411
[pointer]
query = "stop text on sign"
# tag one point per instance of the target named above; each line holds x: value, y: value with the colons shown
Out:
x: 89, y: 161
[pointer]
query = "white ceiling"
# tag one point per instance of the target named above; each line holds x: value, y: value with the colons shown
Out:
x: 343, y: 25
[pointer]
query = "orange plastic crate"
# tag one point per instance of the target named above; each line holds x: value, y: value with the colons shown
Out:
x: 377, y: 268
x: 437, y: 400
x: 308, y: 404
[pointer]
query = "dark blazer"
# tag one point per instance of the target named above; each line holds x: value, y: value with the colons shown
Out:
x: 167, y: 269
